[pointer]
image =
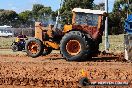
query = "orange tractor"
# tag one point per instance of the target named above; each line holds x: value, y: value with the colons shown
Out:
x: 74, y: 41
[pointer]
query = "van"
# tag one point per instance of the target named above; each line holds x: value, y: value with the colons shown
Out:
x: 5, y: 31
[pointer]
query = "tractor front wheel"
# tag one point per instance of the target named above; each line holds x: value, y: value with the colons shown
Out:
x: 34, y: 48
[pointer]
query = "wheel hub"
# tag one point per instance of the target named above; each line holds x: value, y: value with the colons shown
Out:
x: 33, y: 47
x: 73, y: 47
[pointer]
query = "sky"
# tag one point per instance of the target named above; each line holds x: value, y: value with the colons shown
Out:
x: 22, y: 5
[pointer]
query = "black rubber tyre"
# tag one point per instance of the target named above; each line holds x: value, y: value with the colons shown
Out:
x: 47, y: 50
x: 84, y: 82
x: 34, y: 47
x: 65, y: 42
x: 15, y: 48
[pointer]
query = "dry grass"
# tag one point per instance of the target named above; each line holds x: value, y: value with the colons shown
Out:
x: 9, y: 52
x: 6, y: 42
x: 116, y: 43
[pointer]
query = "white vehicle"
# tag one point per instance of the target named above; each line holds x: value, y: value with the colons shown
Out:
x: 5, y: 31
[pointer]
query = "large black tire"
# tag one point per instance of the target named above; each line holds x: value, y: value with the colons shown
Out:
x: 15, y: 48
x: 84, y: 82
x: 34, y: 47
x: 74, y: 37
x: 47, y: 50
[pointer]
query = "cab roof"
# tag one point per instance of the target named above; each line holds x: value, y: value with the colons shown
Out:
x: 88, y: 11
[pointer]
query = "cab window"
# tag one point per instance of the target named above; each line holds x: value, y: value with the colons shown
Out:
x: 86, y: 19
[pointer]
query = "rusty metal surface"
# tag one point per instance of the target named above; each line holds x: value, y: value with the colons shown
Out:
x: 91, y: 30
x: 38, y: 30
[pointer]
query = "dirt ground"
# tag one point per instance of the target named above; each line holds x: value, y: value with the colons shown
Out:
x: 53, y: 71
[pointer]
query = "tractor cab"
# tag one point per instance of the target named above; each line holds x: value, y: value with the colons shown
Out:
x: 80, y: 38
x: 81, y: 17
x: 88, y: 21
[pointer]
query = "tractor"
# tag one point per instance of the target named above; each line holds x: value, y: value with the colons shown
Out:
x: 76, y: 40
x: 19, y: 43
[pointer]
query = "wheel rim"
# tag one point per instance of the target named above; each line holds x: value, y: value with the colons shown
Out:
x: 73, y: 47
x: 33, y: 47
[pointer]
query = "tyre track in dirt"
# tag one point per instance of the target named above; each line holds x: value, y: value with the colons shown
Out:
x: 53, y: 71
x: 21, y: 71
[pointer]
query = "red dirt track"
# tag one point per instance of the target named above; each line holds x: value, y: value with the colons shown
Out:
x: 20, y: 71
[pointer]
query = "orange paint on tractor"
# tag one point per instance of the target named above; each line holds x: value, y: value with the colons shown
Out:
x: 67, y: 28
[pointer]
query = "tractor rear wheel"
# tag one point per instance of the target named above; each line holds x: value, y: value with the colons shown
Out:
x: 34, y: 48
x: 73, y: 46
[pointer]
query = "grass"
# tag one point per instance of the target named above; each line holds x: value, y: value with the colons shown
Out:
x: 116, y: 42
x: 10, y: 52
x: 6, y: 42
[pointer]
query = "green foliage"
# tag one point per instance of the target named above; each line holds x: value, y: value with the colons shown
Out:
x: 25, y: 18
x: 46, y: 10
x: 118, y: 16
x: 68, y: 5
x: 100, y: 6
x: 8, y: 17
x: 36, y: 8
x: 39, y: 11
x: 1, y: 10
x: 25, y: 15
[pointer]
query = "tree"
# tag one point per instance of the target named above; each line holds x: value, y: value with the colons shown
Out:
x: 45, y: 10
x: 36, y: 8
x: 25, y: 15
x: 26, y: 18
x: 39, y: 11
x: 123, y: 4
x: 1, y: 10
x: 8, y: 17
x: 44, y: 13
x: 68, y: 5
x: 100, y: 6
x: 118, y: 16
